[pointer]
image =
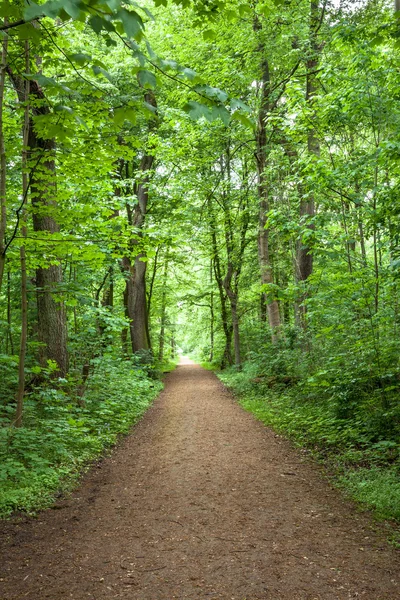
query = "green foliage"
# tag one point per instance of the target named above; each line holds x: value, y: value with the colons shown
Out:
x: 116, y: 83
x: 60, y: 437
x: 377, y: 488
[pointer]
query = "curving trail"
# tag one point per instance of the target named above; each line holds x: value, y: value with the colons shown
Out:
x: 200, y: 502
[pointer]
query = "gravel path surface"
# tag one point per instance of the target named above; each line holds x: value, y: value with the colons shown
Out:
x: 200, y: 501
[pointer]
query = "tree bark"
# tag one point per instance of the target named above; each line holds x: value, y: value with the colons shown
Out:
x: 135, y: 269
x: 212, y: 318
x: 3, y: 169
x: 163, y: 310
x: 234, y: 316
x: 226, y: 325
x: 9, y: 337
x: 52, y: 318
x: 235, y: 242
x: 263, y: 193
x: 304, y: 254
x: 152, y: 280
x: 24, y: 290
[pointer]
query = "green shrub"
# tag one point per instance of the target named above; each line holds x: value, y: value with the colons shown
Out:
x: 59, y: 437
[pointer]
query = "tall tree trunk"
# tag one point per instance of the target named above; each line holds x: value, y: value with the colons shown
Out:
x: 9, y: 337
x: 304, y: 254
x: 24, y: 287
x: 163, y: 310
x: 108, y: 297
x: 212, y: 317
x: 262, y: 188
x: 3, y: 165
x: 234, y: 316
x: 152, y: 280
x: 235, y: 242
x: 135, y: 270
x: 52, y: 318
x: 227, y: 359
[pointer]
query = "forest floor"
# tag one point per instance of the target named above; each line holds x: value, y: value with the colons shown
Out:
x: 200, y: 501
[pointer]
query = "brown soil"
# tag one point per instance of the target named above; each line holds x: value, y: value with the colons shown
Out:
x: 201, y: 501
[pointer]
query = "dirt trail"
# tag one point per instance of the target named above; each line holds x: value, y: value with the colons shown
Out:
x: 201, y: 501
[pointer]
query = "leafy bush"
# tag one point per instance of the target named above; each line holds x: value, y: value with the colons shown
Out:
x: 59, y: 436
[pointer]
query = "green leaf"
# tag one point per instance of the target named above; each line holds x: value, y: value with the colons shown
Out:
x: 32, y: 11
x: 29, y: 32
x: 99, y: 70
x: 209, y: 34
x: 81, y: 121
x: 169, y: 64
x: 244, y: 10
x: 50, y: 9
x: 147, y: 79
x: 62, y: 108
x: 231, y: 15
x: 243, y: 119
x: 48, y: 82
x: 220, y: 112
x: 212, y: 93
x: 80, y: 58
x: 113, y: 4
x: 6, y: 10
x: 235, y: 103
x: 132, y: 22
x: 73, y: 9
x: 196, y: 110
x: 189, y: 73
x: 96, y: 23
x: 265, y: 10
x: 124, y: 114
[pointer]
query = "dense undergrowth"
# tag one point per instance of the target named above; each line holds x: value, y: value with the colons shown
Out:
x: 62, y: 432
x: 339, y: 421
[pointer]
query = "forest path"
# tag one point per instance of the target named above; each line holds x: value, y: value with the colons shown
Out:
x: 201, y: 501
